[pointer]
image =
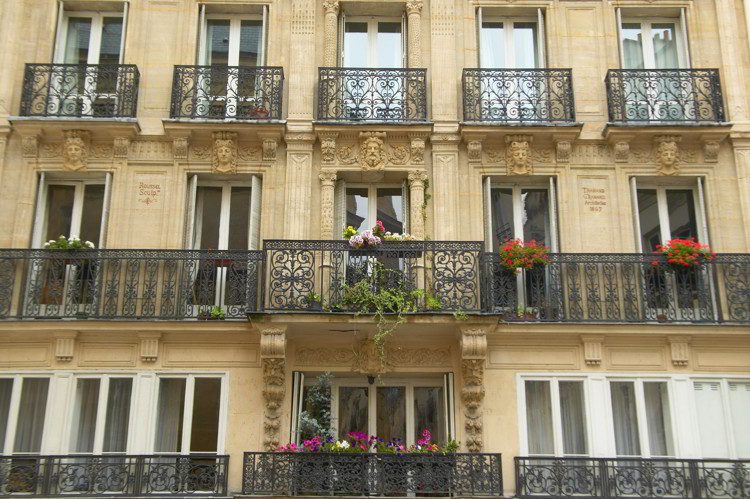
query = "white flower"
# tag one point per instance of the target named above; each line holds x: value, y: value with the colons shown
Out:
x: 89, y: 244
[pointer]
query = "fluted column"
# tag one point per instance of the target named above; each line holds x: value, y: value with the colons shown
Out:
x: 414, y: 32
x: 417, y: 178
x: 331, y: 8
x: 327, y: 189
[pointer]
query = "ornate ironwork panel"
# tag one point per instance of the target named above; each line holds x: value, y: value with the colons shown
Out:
x: 664, y: 95
x: 372, y: 95
x: 227, y: 92
x: 80, y: 90
x: 353, y: 474
x: 113, y: 475
x: 518, y: 95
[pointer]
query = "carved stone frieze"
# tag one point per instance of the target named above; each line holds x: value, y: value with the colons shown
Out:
x: 473, y: 356
x: 372, y: 155
x: 666, y: 154
x: 101, y: 151
x: 398, y: 356
x: 75, y: 149
x: 273, y: 360
x: 248, y: 153
x: 50, y: 150
x: 200, y: 152
x: 224, y: 152
x: 151, y: 150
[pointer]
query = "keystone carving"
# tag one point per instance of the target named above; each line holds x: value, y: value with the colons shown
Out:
x: 75, y: 150
x: 224, y: 156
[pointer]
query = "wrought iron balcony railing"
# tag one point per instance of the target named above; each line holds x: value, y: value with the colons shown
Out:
x: 548, y: 477
x: 80, y: 90
x: 534, y: 96
x: 653, y: 96
x: 372, y: 95
x: 114, y: 475
x: 368, y: 474
x: 227, y: 92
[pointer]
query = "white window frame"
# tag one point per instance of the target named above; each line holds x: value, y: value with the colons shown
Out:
x: 372, y: 201
x: 647, y: 43
x: 372, y: 38
x: 224, y: 217
x: 235, y: 23
x: 14, y: 408
x: 729, y: 432
x: 510, y: 53
x: 95, y: 41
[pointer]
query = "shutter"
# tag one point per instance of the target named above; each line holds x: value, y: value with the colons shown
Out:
x: 404, y: 42
x: 685, y: 45
x: 702, y: 207
x: 41, y: 212
x: 342, y: 30
x: 636, y: 218
x: 105, y: 210
x: 618, y: 15
x: 125, y: 11
x: 406, y: 206
x: 264, y: 35
x: 540, y: 39
x: 487, y: 189
x: 59, y: 54
x: 192, y: 191
x: 479, y: 37
x: 339, y: 209
x: 200, y: 53
x: 553, y: 215
x: 298, y: 391
x: 254, y: 218
x: 450, y: 420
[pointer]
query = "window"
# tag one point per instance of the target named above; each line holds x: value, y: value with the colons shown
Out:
x: 101, y: 415
x: 509, y: 43
x: 367, y: 204
x: 722, y: 407
x: 652, y: 44
x: 555, y: 417
x: 23, y: 409
x: 373, y: 43
x: 641, y: 418
x: 189, y: 415
x: 668, y: 212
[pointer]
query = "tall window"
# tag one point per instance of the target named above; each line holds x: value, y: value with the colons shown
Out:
x: 509, y: 43
x: 373, y: 43
x: 90, y: 38
x: 222, y: 216
x: 555, y: 417
x: 101, y: 415
x: 666, y: 213
x: 641, y: 418
x: 522, y: 212
x: 23, y: 409
x: 652, y: 44
x: 367, y: 204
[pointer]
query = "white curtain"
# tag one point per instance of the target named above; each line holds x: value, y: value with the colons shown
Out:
x: 118, y: 415
x: 31, y: 413
x: 6, y: 388
x: 539, y: 417
x: 169, y: 415
x: 739, y: 402
x: 492, y: 45
x: 83, y: 426
x: 573, y: 417
x: 657, y: 418
x: 625, y: 418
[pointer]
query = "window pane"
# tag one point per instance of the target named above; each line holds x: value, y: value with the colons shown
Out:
x: 91, y: 215
x: 59, y: 210
x: 539, y: 418
x: 492, y: 45
x: 6, y: 389
x: 711, y: 425
x: 169, y: 415
x: 665, y: 45
x: 681, y: 209
x: 503, y: 227
x: 535, y: 206
x: 352, y: 413
x: 648, y: 216
x: 658, y: 419
x: 250, y: 42
x: 356, y: 209
x: 217, y: 41
x: 84, y: 415
x: 31, y: 412
x: 391, y: 413
x: 204, y: 432
x: 239, y: 212
x: 355, y: 45
x: 118, y: 415
x: 573, y: 416
x: 208, y: 217
x: 625, y: 418
x: 632, y: 45
x: 390, y: 209
x: 524, y: 45
x: 77, y: 41
x: 429, y: 412
x: 109, y: 53
x: 389, y: 45
x: 739, y: 404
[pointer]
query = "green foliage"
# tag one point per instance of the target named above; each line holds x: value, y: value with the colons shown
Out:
x: 460, y: 315
x: 63, y: 243
x: 217, y: 313
x: 315, y: 418
x: 431, y: 302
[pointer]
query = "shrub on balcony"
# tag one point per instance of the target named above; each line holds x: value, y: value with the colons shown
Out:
x: 63, y: 243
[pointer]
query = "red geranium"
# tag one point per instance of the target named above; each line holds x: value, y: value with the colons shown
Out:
x: 684, y: 253
x: 516, y: 254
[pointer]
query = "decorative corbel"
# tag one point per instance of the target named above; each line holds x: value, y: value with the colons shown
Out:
x: 416, y: 148
x: 563, y: 149
x: 180, y: 148
x: 269, y: 149
x: 711, y: 151
x: 328, y: 147
x: 473, y: 357
x: 149, y: 346
x: 120, y: 148
x: 592, y: 349
x: 273, y: 359
x: 621, y: 151
x: 30, y: 146
x: 679, y: 347
x: 65, y: 345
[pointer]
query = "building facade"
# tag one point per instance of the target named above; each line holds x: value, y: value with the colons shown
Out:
x: 212, y: 151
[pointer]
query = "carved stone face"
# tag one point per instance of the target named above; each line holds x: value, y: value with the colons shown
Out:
x: 666, y: 155
x: 74, y: 153
x: 224, y: 156
x: 372, y: 154
x: 517, y: 157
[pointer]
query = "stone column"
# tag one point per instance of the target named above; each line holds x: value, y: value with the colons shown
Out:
x: 327, y: 188
x: 473, y: 356
x: 299, y: 153
x: 417, y: 178
x: 273, y: 361
x: 414, y: 32
x: 330, y: 38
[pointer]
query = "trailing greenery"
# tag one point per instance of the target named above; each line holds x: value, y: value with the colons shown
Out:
x: 315, y: 418
x: 460, y: 315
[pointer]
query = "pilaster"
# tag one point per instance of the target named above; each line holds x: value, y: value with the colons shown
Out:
x: 330, y: 38
x: 414, y: 32
x: 273, y: 360
x: 445, y: 183
x: 417, y: 179
x: 327, y: 188
x: 299, y: 154
x: 473, y: 357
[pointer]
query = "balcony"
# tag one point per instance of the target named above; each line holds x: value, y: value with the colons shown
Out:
x: 199, y: 475
x: 80, y: 91
x: 363, y: 95
x: 371, y: 474
x: 665, y: 96
x: 227, y: 92
x: 549, y: 477
x: 518, y: 96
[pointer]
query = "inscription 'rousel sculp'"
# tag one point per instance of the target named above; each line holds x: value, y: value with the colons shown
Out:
x: 148, y: 193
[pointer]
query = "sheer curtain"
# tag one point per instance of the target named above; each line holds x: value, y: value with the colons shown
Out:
x: 6, y: 388
x: 573, y: 416
x: 31, y: 412
x: 539, y: 417
x: 665, y: 46
x: 492, y: 45
x: 118, y: 415
x: 658, y: 418
x: 83, y: 426
x: 625, y: 418
x: 632, y: 46
x: 169, y: 415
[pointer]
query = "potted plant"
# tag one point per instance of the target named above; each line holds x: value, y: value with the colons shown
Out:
x: 517, y: 255
x: 71, y: 245
x: 681, y: 254
x: 260, y: 112
x: 215, y: 313
x: 314, y: 301
x: 527, y: 313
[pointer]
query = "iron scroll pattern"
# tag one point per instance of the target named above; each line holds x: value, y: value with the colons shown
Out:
x: 114, y: 475
x: 563, y: 477
x: 543, y: 96
x: 80, y: 90
x: 372, y: 95
x: 296, y: 270
x: 227, y: 92
x: 664, y: 96
x: 379, y: 474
